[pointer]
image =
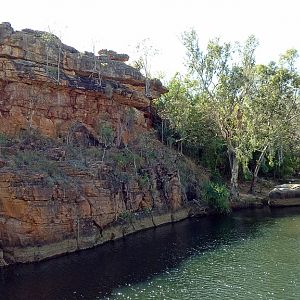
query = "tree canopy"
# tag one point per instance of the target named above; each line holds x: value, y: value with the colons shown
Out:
x: 252, y: 110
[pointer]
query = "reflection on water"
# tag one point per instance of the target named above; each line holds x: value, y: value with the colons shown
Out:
x: 249, y: 255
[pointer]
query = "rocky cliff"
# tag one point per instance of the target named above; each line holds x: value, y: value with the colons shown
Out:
x: 50, y: 86
x: 79, y: 163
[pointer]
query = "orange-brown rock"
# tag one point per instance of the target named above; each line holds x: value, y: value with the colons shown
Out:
x: 50, y: 203
x: 50, y: 86
x: 38, y: 220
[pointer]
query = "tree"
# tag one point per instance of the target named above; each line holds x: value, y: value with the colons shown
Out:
x: 275, y: 109
x: 183, y: 120
x: 106, y: 134
x: 175, y: 107
x: 145, y: 52
x: 225, y: 77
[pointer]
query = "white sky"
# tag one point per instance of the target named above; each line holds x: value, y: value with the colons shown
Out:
x: 120, y: 24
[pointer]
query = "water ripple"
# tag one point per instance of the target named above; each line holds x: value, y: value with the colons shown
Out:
x: 266, y: 266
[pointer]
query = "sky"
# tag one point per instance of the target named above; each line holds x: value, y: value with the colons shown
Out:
x: 120, y: 25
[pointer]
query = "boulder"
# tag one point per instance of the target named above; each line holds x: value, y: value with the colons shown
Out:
x: 285, y: 195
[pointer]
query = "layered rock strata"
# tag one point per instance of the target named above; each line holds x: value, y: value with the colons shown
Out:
x: 51, y: 204
x: 47, y: 85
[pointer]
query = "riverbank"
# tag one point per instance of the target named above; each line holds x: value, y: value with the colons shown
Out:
x: 128, y: 224
x: 134, y: 223
x: 248, y: 200
x: 207, y: 254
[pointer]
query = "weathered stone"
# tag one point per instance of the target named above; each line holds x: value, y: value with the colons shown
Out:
x: 2, y: 163
x: 112, y: 55
x: 33, y: 215
x: 45, y: 83
x: 48, y: 86
x: 285, y: 195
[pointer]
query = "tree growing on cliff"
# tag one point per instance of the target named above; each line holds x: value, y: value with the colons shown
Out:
x: 33, y: 100
x: 106, y: 134
x: 145, y: 52
x: 96, y: 73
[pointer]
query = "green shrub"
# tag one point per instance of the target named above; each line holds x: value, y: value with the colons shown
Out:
x: 126, y: 216
x: 217, y: 196
x: 3, y: 139
x: 121, y: 159
x: 106, y: 133
x: 92, y: 153
x: 144, y: 181
x: 36, y: 162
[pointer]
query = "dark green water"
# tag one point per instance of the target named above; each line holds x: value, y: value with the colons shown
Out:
x: 248, y: 255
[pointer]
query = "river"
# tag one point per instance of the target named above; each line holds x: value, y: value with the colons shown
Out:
x: 253, y: 254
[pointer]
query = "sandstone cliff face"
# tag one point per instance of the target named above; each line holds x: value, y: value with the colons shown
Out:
x: 38, y: 219
x: 47, y: 85
x: 78, y: 165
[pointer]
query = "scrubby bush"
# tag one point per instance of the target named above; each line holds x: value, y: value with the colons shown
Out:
x: 37, y: 162
x: 217, y: 196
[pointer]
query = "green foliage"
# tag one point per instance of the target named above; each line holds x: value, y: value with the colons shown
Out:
x: 126, y: 216
x: 144, y: 181
x: 146, y: 148
x: 121, y: 159
x: 125, y: 160
x: 247, y: 175
x: 230, y: 112
x: 217, y: 196
x: 50, y: 38
x: 3, y: 139
x: 184, y: 120
x: 92, y: 153
x: 187, y: 126
x: 216, y: 177
x: 35, y: 161
x: 106, y: 133
x: 133, y: 158
x: 214, y: 156
x: 282, y: 167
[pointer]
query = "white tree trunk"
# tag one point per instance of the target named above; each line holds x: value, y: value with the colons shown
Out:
x: 256, y: 170
x: 234, y: 193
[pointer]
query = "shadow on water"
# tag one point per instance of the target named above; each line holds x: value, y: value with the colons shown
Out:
x: 95, y: 273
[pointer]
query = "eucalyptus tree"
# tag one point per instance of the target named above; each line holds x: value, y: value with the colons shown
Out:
x: 225, y: 84
x: 183, y: 119
x: 175, y: 107
x: 275, y: 109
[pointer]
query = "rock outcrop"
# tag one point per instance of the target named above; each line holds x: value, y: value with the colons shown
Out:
x: 78, y: 164
x: 39, y: 220
x: 285, y: 195
x: 47, y: 85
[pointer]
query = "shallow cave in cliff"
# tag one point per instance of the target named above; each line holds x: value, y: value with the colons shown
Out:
x: 80, y: 135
